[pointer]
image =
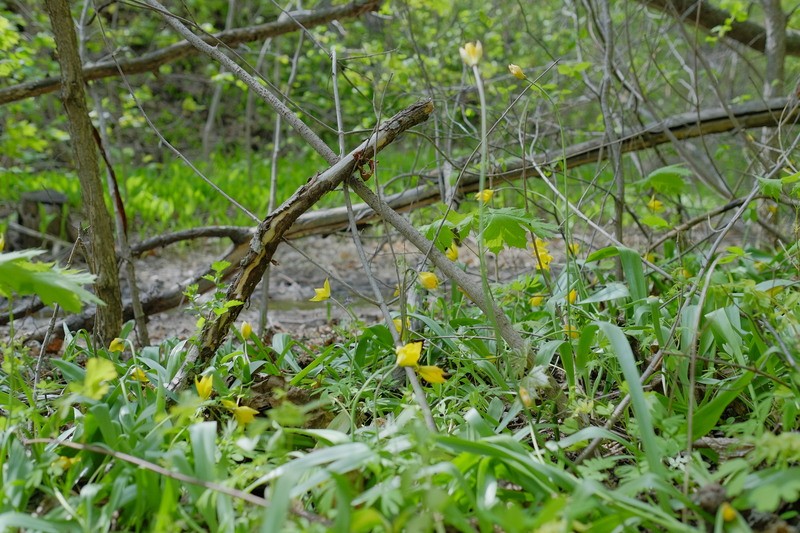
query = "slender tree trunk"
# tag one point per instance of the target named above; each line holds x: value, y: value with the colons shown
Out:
x: 101, y: 257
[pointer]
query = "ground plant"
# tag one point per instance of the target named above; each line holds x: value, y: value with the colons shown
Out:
x: 576, y: 224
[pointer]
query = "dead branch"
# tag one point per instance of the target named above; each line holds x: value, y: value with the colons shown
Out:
x: 152, y: 61
x: 273, y: 228
x: 705, y: 15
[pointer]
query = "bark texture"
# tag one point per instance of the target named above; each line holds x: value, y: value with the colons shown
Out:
x: 101, y: 257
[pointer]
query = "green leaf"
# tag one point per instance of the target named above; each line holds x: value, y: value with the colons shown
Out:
x: 667, y: 180
x: 709, y: 414
x: 98, y: 373
x: 771, y: 187
x: 654, y: 221
x: 19, y: 275
x: 510, y: 226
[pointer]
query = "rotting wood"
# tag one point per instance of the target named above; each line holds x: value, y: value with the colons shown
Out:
x: 272, y: 229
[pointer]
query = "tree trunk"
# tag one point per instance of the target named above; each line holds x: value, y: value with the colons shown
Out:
x: 101, y: 257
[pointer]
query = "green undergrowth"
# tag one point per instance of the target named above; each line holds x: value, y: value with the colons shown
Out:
x: 280, y: 435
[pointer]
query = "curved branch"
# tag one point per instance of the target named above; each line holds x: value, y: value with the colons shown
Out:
x: 153, y: 60
x: 705, y: 15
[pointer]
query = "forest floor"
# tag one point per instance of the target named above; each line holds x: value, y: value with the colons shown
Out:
x: 299, y: 267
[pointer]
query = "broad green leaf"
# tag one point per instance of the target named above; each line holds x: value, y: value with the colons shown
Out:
x: 667, y: 180
x: 654, y: 221
x: 707, y: 416
x: 771, y: 187
x: 510, y: 226
x: 19, y: 275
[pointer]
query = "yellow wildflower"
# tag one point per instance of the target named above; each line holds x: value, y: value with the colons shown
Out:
x: 525, y: 397
x: 516, y: 71
x: 204, y: 386
x: 574, y: 248
x: 728, y: 512
x: 117, y: 345
x: 408, y: 354
x: 536, y: 300
x: 541, y: 254
x: 572, y: 296
x: 484, y: 196
x: 322, y: 294
x: 396, y: 292
x: 471, y: 53
x: 242, y: 413
x: 138, y: 374
x: 431, y: 374
x: 398, y: 324
x: 650, y: 257
x: 428, y: 280
x: 246, y: 330
x: 656, y: 206
x: 571, y: 331
x: 451, y: 252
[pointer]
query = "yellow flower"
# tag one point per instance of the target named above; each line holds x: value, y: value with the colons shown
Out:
x: 396, y: 291
x: 139, y: 375
x: 64, y: 462
x: 246, y: 330
x: 541, y: 254
x: 656, y: 206
x: 572, y: 296
x: 484, y: 196
x: 451, y: 252
x: 204, y: 386
x: 398, y: 324
x: 525, y: 397
x: 322, y: 294
x: 408, y: 354
x: 574, y: 248
x: 572, y: 331
x: 536, y: 300
x: 242, y: 413
x: 428, y: 280
x: 516, y: 71
x: 117, y: 345
x: 431, y: 374
x: 471, y: 53
x: 650, y: 257
x: 728, y: 512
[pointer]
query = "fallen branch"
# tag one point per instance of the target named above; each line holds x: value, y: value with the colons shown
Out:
x: 152, y: 61
x: 272, y: 229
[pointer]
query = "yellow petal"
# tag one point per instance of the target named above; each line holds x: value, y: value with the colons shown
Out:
x: 322, y: 294
x: 396, y: 292
x: 572, y: 331
x: 431, y: 374
x: 536, y: 300
x: 398, y: 324
x: 728, y: 512
x: 117, y: 345
x: 471, y: 53
x: 656, y: 206
x: 246, y: 330
x: 204, y: 386
x: 408, y: 354
x: 572, y: 296
x: 516, y: 71
x: 244, y: 414
x: 139, y: 375
x: 452, y: 252
x: 484, y: 196
x: 428, y: 280
x: 574, y: 248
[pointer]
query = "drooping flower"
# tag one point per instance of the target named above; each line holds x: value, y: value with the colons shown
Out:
x: 242, y: 413
x: 398, y: 324
x: 728, y: 512
x: 408, y: 354
x: 204, y: 386
x: 322, y: 294
x: 452, y: 252
x: 574, y: 248
x: 572, y: 331
x: 138, y: 374
x: 656, y: 206
x: 471, y: 53
x: 246, y: 330
x: 536, y: 300
x: 484, y: 196
x: 541, y: 254
x: 431, y: 374
x: 396, y: 292
x: 516, y: 71
x: 117, y: 345
x: 572, y: 296
x: 428, y: 280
